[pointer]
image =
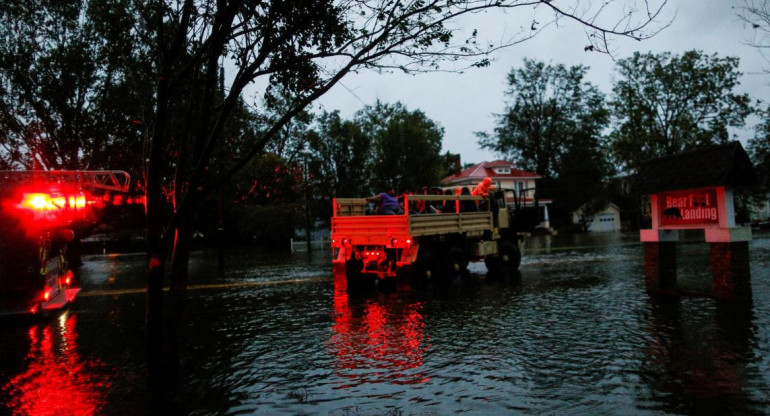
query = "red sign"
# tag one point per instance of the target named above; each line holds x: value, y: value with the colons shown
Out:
x: 691, y: 207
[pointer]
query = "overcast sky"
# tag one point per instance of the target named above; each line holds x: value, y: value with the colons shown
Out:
x: 465, y: 103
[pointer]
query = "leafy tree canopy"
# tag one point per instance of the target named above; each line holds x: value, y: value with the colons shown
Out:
x: 75, y: 83
x: 342, y: 157
x: 664, y: 104
x: 759, y: 145
x: 759, y: 150
x: 549, y: 107
x: 406, y: 147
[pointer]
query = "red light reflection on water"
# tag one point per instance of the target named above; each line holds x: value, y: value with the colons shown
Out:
x: 58, y: 381
x: 377, y: 342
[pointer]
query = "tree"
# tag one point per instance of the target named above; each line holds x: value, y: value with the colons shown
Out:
x: 583, y: 172
x: 74, y: 85
x: 340, y: 161
x: 759, y: 145
x: 664, y: 104
x: 550, y: 106
x: 759, y: 150
x: 263, y: 200
x: 384, y: 145
x: 291, y: 141
x: 406, y: 148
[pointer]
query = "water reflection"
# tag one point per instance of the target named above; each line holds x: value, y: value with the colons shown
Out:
x: 699, y: 357
x: 58, y: 381
x: 377, y: 340
x: 573, y: 333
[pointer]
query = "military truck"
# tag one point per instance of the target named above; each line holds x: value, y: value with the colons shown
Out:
x: 422, y: 247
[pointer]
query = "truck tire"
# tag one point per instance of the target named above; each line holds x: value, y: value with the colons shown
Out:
x: 509, y: 254
x: 353, y: 273
x: 456, y: 261
x: 425, y: 269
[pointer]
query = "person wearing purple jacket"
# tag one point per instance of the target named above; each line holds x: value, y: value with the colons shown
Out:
x: 387, y: 202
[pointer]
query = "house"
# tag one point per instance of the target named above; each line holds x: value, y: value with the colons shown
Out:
x: 519, y: 184
x: 605, y: 220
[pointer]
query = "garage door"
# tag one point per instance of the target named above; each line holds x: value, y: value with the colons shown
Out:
x: 604, y: 223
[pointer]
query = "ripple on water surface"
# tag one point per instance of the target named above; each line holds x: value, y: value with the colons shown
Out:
x: 573, y: 333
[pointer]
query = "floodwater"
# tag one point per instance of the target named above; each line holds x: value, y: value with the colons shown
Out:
x: 573, y: 333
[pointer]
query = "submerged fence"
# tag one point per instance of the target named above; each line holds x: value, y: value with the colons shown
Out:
x: 301, y: 245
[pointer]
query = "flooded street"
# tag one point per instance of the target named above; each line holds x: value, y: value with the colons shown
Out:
x: 573, y: 333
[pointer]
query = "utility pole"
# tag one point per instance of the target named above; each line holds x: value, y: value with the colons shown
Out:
x: 307, y: 205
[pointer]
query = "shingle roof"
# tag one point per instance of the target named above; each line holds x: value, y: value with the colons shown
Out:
x: 720, y: 165
x: 482, y: 170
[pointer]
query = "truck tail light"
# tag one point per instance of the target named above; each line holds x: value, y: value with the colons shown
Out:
x: 396, y: 242
x: 47, y: 292
x: 66, y: 280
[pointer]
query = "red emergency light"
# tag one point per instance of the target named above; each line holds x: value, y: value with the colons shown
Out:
x: 66, y: 280
x: 44, y: 202
x: 47, y: 206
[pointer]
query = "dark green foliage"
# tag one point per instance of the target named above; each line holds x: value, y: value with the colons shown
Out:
x: 759, y: 145
x: 583, y: 172
x: 385, y: 145
x: 339, y: 159
x: 261, y: 205
x: 550, y: 106
x: 75, y: 85
x: 269, y: 226
x: 759, y: 150
x: 406, y: 151
x: 664, y: 104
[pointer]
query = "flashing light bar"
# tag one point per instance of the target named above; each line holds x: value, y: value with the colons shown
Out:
x: 46, y: 202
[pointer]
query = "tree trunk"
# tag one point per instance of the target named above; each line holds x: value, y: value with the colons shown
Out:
x: 154, y: 321
x: 156, y: 252
x: 177, y: 298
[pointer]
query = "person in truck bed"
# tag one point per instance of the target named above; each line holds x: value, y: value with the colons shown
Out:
x: 421, y: 206
x: 387, y: 202
x: 482, y: 189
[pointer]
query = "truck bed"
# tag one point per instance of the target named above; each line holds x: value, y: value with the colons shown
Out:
x: 350, y: 221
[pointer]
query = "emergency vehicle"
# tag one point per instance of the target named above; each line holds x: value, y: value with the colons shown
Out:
x: 425, y: 246
x: 40, y: 213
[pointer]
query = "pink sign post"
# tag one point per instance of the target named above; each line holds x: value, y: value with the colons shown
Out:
x: 694, y: 190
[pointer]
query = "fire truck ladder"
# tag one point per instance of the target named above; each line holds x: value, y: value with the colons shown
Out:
x: 106, y: 180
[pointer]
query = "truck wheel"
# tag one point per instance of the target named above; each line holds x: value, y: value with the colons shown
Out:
x: 425, y: 268
x: 510, y: 255
x: 456, y: 261
x: 353, y: 272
